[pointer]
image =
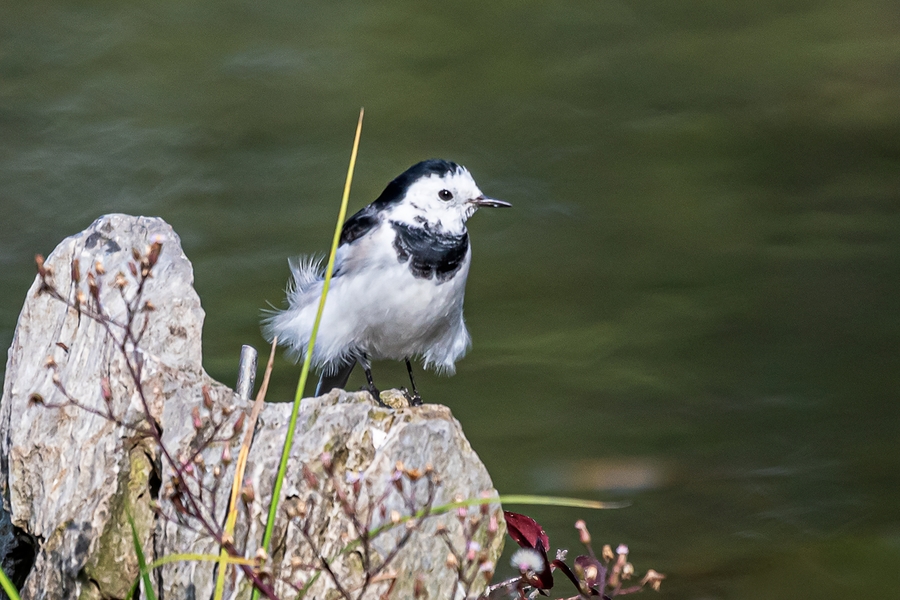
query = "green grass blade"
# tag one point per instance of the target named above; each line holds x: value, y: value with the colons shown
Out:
x: 171, y: 558
x: 142, y: 562
x: 304, y: 373
x: 8, y: 586
x: 505, y: 499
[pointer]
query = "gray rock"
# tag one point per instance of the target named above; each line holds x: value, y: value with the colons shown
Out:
x: 70, y: 477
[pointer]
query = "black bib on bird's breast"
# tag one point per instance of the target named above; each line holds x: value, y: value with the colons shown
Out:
x: 431, y: 254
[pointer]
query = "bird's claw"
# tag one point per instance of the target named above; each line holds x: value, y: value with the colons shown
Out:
x: 414, y: 399
x: 376, y: 395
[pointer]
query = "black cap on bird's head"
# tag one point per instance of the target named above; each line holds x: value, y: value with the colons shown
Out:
x: 396, y: 190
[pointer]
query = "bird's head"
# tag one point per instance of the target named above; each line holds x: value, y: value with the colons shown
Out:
x: 437, y: 192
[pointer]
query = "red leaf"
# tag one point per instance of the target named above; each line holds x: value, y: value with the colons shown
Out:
x: 526, y: 532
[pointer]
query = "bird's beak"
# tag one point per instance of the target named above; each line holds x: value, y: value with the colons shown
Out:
x: 491, y: 202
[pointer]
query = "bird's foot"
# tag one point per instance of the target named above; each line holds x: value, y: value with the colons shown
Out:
x: 414, y: 398
x: 376, y: 395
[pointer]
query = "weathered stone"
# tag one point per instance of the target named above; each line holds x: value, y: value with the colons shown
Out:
x: 70, y: 477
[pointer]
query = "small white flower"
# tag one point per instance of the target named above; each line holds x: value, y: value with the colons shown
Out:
x: 527, y: 559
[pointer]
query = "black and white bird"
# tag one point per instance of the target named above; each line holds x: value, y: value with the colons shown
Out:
x: 398, y: 284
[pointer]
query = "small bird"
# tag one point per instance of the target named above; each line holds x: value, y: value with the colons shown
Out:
x: 398, y: 283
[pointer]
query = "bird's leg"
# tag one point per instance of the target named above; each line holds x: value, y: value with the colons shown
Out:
x: 371, y: 387
x: 415, y: 399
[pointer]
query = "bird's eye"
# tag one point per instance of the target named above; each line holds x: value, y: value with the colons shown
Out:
x: 445, y: 195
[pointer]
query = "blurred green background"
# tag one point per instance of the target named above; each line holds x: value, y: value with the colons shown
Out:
x: 692, y: 306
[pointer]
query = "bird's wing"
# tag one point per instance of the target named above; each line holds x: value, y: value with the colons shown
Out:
x: 355, y: 229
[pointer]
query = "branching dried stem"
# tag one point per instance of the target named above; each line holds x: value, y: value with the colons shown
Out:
x: 194, y: 502
x: 415, y: 489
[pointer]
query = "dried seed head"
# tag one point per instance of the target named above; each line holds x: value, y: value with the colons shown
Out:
x: 76, y: 270
x: 195, y: 417
x: 135, y: 254
x: 627, y: 571
x: 395, y: 516
x: 654, y: 579
x: 120, y: 281
x: 452, y: 561
x: 35, y: 399
x: 149, y: 306
x: 80, y: 298
x: 262, y: 555
x: 98, y: 266
x: 39, y: 261
x: 310, y: 477
x: 50, y: 362
x: 247, y: 493
x: 607, y: 553
x: 133, y: 269
x: 413, y: 474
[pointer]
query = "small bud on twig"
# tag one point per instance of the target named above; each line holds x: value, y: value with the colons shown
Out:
x: 105, y: 390
x: 583, y: 533
x: 419, y: 587
x: 153, y: 255
x: 207, y: 398
x: 239, y: 424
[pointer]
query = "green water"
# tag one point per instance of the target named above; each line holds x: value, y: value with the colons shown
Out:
x: 692, y: 306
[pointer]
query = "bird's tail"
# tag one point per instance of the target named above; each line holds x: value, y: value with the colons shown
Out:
x: 293, y: 325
